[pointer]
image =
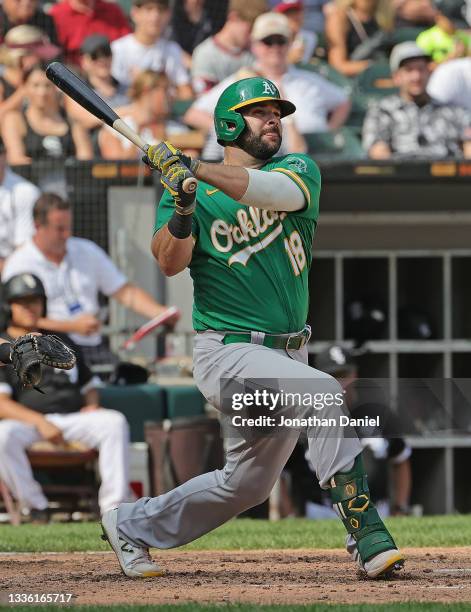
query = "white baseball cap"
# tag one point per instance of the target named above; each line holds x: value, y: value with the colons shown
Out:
x: 269, y: 24
x: 406, y: 51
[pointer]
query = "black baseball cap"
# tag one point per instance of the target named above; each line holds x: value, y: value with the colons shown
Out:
x: 96, y: 44
x: 454, y: 10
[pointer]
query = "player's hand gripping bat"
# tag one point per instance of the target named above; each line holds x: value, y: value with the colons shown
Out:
x: 84, y: 95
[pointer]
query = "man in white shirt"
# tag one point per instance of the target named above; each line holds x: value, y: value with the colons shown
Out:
x: 17, y: 197
x: 73, y: 271
x: 321, y: 105
x: 450, y: 83
x: 148, y: 49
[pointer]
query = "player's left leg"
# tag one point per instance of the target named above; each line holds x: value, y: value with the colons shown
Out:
x: 107, y: 431
x: 335, y: 454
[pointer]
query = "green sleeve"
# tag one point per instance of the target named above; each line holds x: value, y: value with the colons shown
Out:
x: 164, y: 210
x: 303, y: 171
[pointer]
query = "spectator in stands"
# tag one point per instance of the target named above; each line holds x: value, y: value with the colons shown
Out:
x: 411, y: 124
x: 304, y: 41
x: 17, y: 197
x: 321, y: 105
x: 73, y: 271
x: 96, y: 61
x: 313, y: 14
x: 356, y: 32
x: 447, y: 39
x: 41, y: 131
x: 191, y: 24
x: 77, y: 19
x: 24, y: 47
x: 20, y: 12
x: 67, y: 411
x: 224, y: 53
x: 450, y: 83
x: 147, y: 48
x: 148, y: 114
x: 414, y: 13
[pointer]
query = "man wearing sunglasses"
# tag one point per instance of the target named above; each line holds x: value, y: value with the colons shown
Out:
x: 322, y: 106
x: 96, y: 58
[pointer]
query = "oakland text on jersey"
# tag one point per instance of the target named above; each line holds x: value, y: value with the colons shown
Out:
x: 252, y: 223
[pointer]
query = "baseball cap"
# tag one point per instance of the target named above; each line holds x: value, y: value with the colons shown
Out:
x: 334, y: 360
x: 269, y: 24
x: 25, y: 39
x: 289, y: 5
x: 454, y: 10
x: 95, y: 43
x: 405, y: 51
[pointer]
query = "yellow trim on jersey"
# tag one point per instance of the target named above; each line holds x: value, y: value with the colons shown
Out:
x: 254, y: 101
x: 299, y: 182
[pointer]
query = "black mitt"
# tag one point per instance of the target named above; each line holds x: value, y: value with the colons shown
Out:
x: 30, y: 351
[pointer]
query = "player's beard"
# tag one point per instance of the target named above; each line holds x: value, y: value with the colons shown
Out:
x: 255, y: 146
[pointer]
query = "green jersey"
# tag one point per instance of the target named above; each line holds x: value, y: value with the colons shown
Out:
x: 250, y: 267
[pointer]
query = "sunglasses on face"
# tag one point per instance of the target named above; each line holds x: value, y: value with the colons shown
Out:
x: 100, y: 53
x: 275, y: 39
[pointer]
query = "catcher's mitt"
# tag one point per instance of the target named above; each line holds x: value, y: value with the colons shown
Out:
x: 30, y: 351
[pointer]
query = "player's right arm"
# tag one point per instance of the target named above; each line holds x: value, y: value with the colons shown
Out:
x: 173, y: 254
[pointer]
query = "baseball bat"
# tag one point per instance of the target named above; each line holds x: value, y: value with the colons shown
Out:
x: 150, y: 326
x: 84, y: 95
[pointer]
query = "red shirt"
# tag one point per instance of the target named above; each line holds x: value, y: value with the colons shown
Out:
x: 73, y: 27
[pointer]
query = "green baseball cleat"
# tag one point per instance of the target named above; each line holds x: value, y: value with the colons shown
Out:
x: 369, y: 542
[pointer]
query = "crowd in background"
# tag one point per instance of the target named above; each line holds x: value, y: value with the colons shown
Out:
x: 162, y: 64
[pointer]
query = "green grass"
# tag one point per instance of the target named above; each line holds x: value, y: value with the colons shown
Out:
x: 191, y: 607
x: 245, y: 534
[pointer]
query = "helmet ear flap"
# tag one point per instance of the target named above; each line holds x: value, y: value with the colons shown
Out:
x: 229, y: 126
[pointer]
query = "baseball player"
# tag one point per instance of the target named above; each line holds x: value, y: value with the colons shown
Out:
x: 247, y: 239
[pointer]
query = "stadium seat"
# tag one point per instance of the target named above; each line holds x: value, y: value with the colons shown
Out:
x: 183, y: 401
x: 179, y: 108
x: 340, y: 145
x: 375, y: 81
x: 138, y: 403
x: 401, y: 35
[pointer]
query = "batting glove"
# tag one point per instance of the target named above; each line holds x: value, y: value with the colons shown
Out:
x: 161, y: 156
x: 172, y: 178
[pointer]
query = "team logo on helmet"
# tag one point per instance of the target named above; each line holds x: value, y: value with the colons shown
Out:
x: 269, y: 89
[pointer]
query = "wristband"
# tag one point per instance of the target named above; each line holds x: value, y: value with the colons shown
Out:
x: 180, y: 225
x: 5, y: 352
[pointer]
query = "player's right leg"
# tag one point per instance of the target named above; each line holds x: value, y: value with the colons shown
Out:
x: 15, y: 468
x: 197, y: 506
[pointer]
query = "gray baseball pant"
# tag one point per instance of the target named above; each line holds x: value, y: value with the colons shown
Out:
x: 252, y: 468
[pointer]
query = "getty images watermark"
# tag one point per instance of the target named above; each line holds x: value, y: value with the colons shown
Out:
x: 269, y: 407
